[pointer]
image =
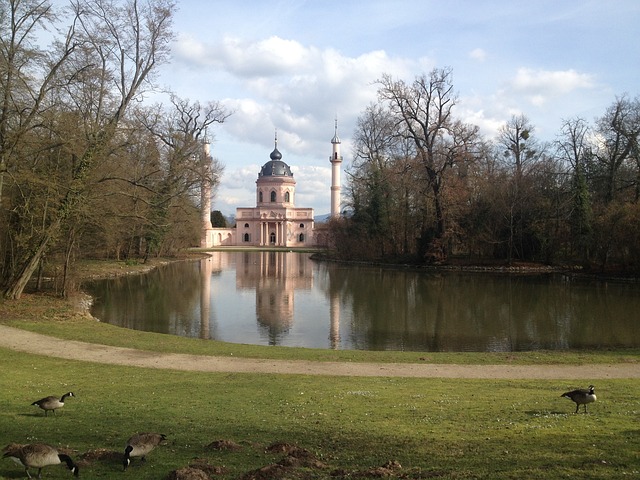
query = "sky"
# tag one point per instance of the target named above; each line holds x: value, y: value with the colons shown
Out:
x: 295, y: 66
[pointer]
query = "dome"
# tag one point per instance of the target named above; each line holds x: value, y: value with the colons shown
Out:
x: 275, y: 168
x: 275, y: 155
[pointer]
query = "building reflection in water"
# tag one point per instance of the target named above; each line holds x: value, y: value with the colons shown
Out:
x: 275, y: 276
x: 213, y: 265
x: 334, y: 314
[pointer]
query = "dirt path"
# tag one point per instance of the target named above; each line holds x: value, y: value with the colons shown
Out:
x: 24, y: 341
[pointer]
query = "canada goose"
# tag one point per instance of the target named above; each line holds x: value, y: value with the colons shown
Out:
x: 139, y: 445
x: 11, y: 451
x: 581, y: 397
x: 39, y: 455
x: 52, y: 402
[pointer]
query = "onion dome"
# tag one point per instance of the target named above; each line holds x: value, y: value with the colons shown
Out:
x: 275, y: 167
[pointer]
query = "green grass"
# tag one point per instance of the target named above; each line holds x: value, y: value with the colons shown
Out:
x: 434, y: 428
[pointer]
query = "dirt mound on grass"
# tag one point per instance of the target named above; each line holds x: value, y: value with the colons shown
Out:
x: 295, y: 465
x: 224, y: 445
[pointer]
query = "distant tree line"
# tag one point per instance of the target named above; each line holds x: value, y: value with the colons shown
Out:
x: 427, y: 187
x: 85, y: 168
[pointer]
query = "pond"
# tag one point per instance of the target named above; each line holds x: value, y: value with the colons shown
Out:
x: 287, y: 299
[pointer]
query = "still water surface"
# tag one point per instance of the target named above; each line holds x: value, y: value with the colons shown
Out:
x: 285, y: 298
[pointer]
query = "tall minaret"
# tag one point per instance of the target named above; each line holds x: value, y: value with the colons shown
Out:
x: 336, y: 160
x: 205, y: 195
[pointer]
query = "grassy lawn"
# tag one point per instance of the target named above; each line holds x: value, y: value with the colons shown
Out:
x: 325, y: 427
x: 349, y: 427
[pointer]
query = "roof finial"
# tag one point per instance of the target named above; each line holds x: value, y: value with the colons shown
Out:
x: 276, y: 155
x: 335, y: 138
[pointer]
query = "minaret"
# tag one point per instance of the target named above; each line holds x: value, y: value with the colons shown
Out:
x: 205, y: 195
x: 336, y: 160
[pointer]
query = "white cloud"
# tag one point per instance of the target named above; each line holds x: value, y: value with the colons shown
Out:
x: 489, y: 125
x: 298, y: 90
x: 478, y: 54
x: 264, y: 58
x: 544, y: 96
x: 540, y: 86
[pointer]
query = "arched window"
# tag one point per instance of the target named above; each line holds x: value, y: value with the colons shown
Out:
x: 301, y: 237
x: 246, y: 225
x: 247, y: 237
x: 273, y: 196
x: 286, y: 197
x: 302, y: 225
x: 260, y: 197
x: 272, y: 238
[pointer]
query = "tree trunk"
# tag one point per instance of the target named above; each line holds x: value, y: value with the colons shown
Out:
x: 67, y: 264
x: 14, y: 292
x: 68, y: 204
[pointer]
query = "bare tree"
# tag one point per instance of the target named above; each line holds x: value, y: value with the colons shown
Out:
x: 27, y: 73
x: 520, y: 151
x: 619, y: 132
x: 423, y: 112
x: 520, y: 147
x: 125, y: 42
x: 181, y: 132
x: 573, y: 148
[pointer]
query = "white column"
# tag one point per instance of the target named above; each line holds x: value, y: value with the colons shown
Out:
x: 205, y: 197
x: 336, y: 160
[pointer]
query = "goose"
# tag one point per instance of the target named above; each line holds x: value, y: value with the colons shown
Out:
x: 52, y: 402
x: 139, y: 445
x: 11, y: 451
x: 581, y: 397
x: 39, y: 455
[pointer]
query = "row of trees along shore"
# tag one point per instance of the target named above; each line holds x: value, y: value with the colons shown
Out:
x: 426, y: 187
x: 86, y: 167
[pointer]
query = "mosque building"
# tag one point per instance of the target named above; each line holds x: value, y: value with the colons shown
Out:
x: 275, y: 221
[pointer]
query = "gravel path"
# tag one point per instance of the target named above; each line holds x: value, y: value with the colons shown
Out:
x: 24, y: 341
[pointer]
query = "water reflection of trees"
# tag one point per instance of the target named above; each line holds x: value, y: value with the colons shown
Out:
x: 409, y: 310
x: 163, y: 300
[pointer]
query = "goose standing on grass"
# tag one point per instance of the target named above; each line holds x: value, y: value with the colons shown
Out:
x: 52, y: 402
x: 581, y: 397
x: 39, y: 455
x: 139, y: 445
